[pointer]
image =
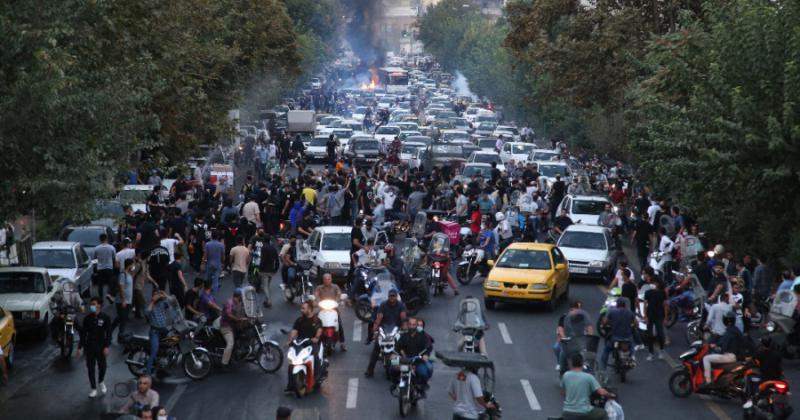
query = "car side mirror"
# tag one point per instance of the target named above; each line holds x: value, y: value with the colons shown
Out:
x: 561, y: 266
x: 490, y: 263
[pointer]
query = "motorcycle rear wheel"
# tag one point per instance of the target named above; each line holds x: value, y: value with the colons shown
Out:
x: 694, y: 332
x: 65, y: 343
x: 197, y: 371
x: 463, y: 275
x: 672, y: 319
x: 270, y: 358
x: 364, y: 310
x: 680, y: 384
x: 140, y: 356
x: 288, y: 293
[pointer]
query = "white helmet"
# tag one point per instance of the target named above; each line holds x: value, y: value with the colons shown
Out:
x: 499, y: 216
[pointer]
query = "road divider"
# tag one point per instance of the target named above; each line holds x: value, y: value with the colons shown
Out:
x: 352, y: 393
x: 532, y: 400
x: 504, y: 333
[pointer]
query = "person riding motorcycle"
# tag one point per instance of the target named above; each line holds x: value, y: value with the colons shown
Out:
x: 621, y: 322
x: 412, y: 343
x: 575, y: 323
x: 577, y: 388
x: 233, y: 316
x: 330, y: 291
x: 504, y: 232
x: 438, y: 253
x: 307, y: 325
x: 725, y: 349
x: 390, y: 313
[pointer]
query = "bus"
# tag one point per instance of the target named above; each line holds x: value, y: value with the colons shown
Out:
x: 395, y: 79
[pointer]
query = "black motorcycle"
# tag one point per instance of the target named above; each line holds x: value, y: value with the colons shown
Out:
x: 251, y: 344
x: 64, y: 327
x: 302, y: 286
x: 176, y: 348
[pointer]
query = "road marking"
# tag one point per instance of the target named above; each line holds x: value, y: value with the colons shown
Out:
x: 532, y: 401
x: 504, y: 333
x: 173, y: 399
x: 357, y: 325
x: 352, y: 392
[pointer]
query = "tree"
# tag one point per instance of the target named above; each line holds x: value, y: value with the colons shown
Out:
x: 716, y: 125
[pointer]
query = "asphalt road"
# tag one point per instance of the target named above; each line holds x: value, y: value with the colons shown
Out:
x: 519, y: 342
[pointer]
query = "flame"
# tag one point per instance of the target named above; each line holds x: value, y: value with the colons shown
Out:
x: 370, y: 86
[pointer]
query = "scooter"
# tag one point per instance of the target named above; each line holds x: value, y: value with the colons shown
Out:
x: 305, y: 375
x: 728, y: 380
x: 329, y: 317
x: 770, y: 402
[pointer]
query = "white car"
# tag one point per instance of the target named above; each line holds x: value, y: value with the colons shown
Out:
x: 515, y: 151
x: 548, y: 171
x: 413, y: 154
x: 590, y: 250
x: 68, y: 260
x: 356, y: 126
x: 26, y: 292
x: 453, y: 135
x: 484, y: 170
x: 506, y: 131
x: 330, y: 250
x: 583, y: 209
x: 408, y: 126
x: 486, y: 157
x: 359, y: 112
x: 328, y: 128
x: 318, y: 149
x: 543, y: 155
x: 135, y: 195
x: 387, y: 133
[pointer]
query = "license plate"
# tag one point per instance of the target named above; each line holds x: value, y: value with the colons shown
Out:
x: 579, y: 270
x: 435, y: 273
x: 514, y: 292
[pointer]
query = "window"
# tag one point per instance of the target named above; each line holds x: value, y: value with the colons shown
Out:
x: 53, y: 258
x: 336, y: 242
x: 21, y: 282
x: 583, y: 240
x: 558, y: 256
x: 525, y: 259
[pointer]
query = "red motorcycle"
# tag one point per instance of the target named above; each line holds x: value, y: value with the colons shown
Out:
x: 771, y: 401
x: 728, y: 380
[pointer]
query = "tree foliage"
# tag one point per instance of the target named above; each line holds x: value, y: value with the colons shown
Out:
x: 717, y: 123
x: 86, y: 87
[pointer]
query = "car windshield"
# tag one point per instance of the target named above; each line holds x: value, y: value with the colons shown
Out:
x: 486, y: 158
x: 53, y: 258
x: 360, y: 110
x: 328, y: 120
x: 519, y: 149
x: 544, y: 155
x: 343, y: 133
x: 587, y: 207
x: 108, y: 209
x: 525, y: 259
x: 86, y: 237
x: 550, y: 171
x: 365, y: 145
x: 336, y: 242
x: 454, y: 136
x: 411, y: 149
x: 583, y: 240
x: 353, y: 126
x: 487, y: 143
x: 388, y: 130
x: 134, y: 196
x: 16, y: 282
x: 319, y: 142
x: 487, y: 126
x: 447, y: 150
x: 471, y: 171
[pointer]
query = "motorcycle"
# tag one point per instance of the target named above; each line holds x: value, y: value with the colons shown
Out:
x: 686, y: 304
x: 485, y: 372
x: 781, y: 324
x: 470, y: 323
x: 623, y: 358
x: 176, y: 348
x: 387, y: 342
x: 408, y: 391
x: 439, y: 261
x: 65, y: 309
x: 472, y: 262
x: 770, y: 401
x: 609, y: 405
x: 302, y: 286
x: 378, y: 282
x: 587, y: 346
x: 728, y: 380
x: 250, y: 345
x: 329, y: 318
x: 305, y: 375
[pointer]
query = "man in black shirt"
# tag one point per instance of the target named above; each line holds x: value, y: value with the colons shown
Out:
x: 357, y: 242
x: 562, y: 222
x: 656, y: 308
x: 192, y: 298
x: 640, y: 237
x: 330, y: 147
x: 306, y: 326
x: 414, y: 343
x: 391, y: 313
x: 158, y: 262
x: 557, y: 191
x: 95, y: 340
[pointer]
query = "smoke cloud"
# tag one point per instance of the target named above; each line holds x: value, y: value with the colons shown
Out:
x: 361, y: 32
x: 461, y: 85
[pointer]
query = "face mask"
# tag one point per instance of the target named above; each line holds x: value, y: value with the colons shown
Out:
x: 420, y: 328
x: 93, y: 309
x: 162, y: 417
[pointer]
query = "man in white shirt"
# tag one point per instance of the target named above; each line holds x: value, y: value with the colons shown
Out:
x: 251, y: 212
x: 665, y: 246
x: 127, y: 252
x: 652, y: 211
x: 499, y: 144
x: 170, y: 244
x: 715, y: 314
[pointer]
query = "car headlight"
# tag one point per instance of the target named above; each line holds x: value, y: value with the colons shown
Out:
x: 493, y: 284
x: 331, y: 265
x: 596, y: 264
x: 539, y: 286
x: 29, y: 315
x: 770, y: 326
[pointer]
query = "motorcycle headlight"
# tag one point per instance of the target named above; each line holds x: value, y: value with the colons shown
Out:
x: 770, y: 326
x: 596, y: 264
x: 493, y: 284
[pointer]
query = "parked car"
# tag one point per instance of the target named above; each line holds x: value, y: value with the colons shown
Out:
x: 363, y: 152
x: 8, y: 336
x: 445, y: 154
x: 88, y: 236
x: 486, y: 157
x: 330, y: 248
x: 26, y: 292
x: 516, y: 151
x: 68, y: 260
x: 525, y: 273
x: 590, y: 250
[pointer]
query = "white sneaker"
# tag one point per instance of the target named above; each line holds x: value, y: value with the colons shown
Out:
x: 93, y: 393
x: 103, y: 388
x: 639, y: 347
x: 650, y: 358
x: 661, y: 355
x: 558, y: 367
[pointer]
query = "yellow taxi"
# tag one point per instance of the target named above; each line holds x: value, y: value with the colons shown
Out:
x: 8, y: 336
x: 527, y: 272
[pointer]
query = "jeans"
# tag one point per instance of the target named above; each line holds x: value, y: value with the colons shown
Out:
x: 238, y: 278
x: 561, y: 357
x: 658, y: 325
x: 212, y: 273
x: 423, y: 371
x: 227, y: 334
x: 716, y: 358
x: 105, y: 278
x: 607, y: 349
x: 155, y: 339
x: 96, y: 357
x: 291, y: 274
x: 121, y: 319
